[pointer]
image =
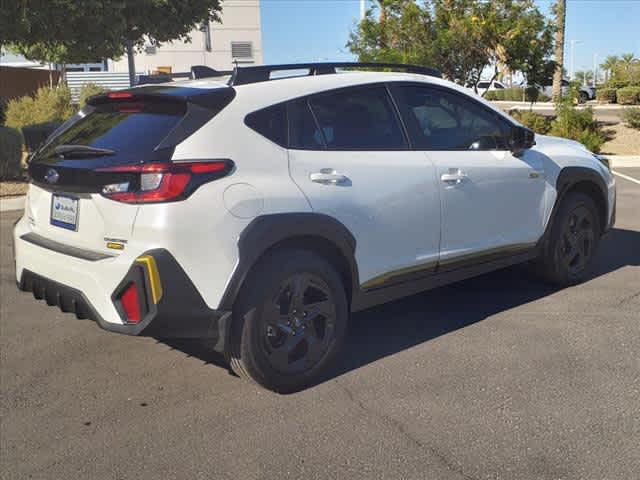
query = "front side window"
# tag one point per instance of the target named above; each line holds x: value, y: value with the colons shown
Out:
x: 359, y: 118
x: 439, y: 119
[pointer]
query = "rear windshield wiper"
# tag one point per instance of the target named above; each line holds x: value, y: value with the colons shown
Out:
x: 68, y: 151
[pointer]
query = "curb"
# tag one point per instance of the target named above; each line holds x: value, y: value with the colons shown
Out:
x: 9, y: 204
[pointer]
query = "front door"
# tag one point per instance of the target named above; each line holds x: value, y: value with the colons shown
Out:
x: 492, y: 201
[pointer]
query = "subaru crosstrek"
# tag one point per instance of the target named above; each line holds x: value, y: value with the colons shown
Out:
x: 258, y: 212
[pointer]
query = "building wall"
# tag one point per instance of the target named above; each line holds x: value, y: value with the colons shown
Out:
x: 240, y: 23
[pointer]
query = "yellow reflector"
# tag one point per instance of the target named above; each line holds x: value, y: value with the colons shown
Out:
x: 154, y: 276
x: 115, y: 245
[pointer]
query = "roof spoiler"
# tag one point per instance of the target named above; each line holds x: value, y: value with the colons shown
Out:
x: 202, y: 71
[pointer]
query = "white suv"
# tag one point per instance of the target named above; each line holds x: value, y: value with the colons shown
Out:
x: 260, y: 212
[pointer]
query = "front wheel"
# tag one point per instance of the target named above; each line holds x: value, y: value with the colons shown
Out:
x: 289, y: 322
x: 575, y: 235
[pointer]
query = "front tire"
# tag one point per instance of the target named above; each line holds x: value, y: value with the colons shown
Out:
x: 574, y: 238
x: 289, y: 321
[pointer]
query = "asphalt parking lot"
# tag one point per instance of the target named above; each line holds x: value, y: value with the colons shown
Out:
x: 498, y: 377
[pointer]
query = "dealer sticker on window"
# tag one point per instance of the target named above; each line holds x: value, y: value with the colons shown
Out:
x: 64, y: 211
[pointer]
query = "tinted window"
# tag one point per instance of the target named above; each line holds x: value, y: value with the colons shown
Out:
x: 303, y: 130
x: 483, y: 84
x: 442, y: 120
x: 498, y: 86
x: 133, y: 130
x: 270, y: 123
x: 358, y: 119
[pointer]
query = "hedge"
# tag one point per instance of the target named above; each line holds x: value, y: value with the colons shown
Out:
x: 628, y: 96
x: 607, y: 95
x: 631, y: 117
x: 10, y: 153
x: 514, y: 94
x: 536, y: 122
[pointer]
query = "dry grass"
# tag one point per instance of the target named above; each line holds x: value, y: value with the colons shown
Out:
x: 622, y: 140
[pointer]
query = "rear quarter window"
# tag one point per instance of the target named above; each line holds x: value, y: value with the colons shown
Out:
x: 271, y: 123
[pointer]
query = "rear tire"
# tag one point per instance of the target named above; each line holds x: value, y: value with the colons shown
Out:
x: 289, y: 321
x: 583, y: 97
x: 574, y: 238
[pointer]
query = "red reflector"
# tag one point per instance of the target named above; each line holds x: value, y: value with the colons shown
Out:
x: 207, y: 167
x: 118, y: 95
x: 131, y: 303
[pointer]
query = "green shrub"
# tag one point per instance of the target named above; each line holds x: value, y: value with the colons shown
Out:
x: 536, y: 122
x: 628, y: 96
x: 48, y: 105
x: 10, y: 153
x: 89, y: 90
x: 631, y: 117
x: 517, y: 94
x: 607, y: 95
x: 577, y: 125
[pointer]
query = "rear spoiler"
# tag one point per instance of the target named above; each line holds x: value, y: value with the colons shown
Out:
x: 211, y: 98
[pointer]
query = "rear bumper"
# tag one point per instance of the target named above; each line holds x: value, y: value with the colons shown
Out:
x: 179, y: 313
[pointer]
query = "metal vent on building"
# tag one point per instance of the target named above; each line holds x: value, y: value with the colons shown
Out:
x: 241, y: 50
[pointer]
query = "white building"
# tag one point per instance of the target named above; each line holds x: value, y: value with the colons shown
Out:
x: 238, y: 38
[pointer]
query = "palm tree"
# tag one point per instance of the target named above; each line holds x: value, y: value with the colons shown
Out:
x: 561, y: 14
x: 609, y: 64
x: 584, y: 77
x: 628, y: 59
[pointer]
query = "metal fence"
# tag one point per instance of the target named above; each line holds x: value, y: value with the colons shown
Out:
x: 110, y: 80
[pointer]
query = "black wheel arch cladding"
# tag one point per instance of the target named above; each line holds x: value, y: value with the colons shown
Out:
x: 268, y: 231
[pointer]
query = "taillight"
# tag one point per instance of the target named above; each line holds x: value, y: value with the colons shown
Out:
x: 162, y: 182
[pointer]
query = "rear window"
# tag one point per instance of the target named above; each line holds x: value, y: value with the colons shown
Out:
x: 132, y: 129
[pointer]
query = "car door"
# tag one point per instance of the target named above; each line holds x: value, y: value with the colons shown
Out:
x: 349, y: 155
x: 492, y: 201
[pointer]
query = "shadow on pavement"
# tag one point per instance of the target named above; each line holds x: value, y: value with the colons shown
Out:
x: 399, y: 325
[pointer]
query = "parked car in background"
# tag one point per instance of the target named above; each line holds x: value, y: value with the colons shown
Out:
x: 485, y: 86
x: 586, y: 92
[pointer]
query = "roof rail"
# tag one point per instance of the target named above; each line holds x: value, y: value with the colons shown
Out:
x: 261, y: 73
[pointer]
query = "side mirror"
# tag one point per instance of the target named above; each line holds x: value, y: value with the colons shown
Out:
x: 522, y: 138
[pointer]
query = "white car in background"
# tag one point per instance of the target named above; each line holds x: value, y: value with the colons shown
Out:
x: 259, y: 213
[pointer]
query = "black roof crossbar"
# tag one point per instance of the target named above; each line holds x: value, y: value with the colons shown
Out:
x: 261, y: 73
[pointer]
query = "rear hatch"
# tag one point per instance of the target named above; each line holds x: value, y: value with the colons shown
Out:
x: 88, y: 175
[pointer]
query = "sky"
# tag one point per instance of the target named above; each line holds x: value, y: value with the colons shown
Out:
x: 317, y: 30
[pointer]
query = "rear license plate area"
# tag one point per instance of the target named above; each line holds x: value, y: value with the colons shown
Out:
x: 65, y: 210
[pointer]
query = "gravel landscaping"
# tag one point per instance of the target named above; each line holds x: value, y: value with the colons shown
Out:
x: 624, y: 140
x: 13, y: 189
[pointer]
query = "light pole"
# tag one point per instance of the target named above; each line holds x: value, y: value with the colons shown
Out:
x: 595, y: 68
x: 572, y: 43
x: 363, y: 10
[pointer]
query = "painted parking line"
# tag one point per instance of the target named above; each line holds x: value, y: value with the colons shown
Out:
x: 626, y: 177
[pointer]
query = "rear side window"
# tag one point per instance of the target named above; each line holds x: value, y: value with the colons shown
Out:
x: 132, y: 130
x: 303, y: 130
x: 358, y: 119
x: 271, y: 123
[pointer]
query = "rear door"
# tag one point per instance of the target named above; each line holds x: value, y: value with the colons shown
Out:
x: 349, y: 155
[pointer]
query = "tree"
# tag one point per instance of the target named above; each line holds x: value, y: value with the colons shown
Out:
x: 74, y: 31
x: 584, y: 77
x: 609, y: 64
x: 560, y: 10
x: 460, y: 37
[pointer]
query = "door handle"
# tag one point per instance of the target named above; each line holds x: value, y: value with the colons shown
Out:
x: 328, y: 176
x: 454, y: 177
x: 535, y: 174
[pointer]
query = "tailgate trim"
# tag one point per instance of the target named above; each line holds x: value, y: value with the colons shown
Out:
x: 58, y: 247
